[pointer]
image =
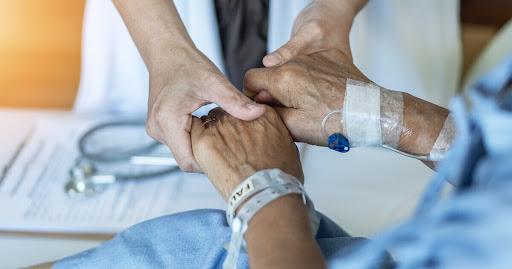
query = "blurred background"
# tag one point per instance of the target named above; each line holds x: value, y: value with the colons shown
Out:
x: 40, y: 44
x: 40, y: 52
x: 40, y: 62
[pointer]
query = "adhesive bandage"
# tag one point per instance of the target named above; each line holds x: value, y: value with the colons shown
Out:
x: 372, y: 116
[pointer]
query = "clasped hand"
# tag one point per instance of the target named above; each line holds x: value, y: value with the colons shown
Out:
x: 228, y: 150
x: 302, y: 91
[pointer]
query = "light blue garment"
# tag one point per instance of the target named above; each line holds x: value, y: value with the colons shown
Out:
x: 192, y: 239
x: 470, y: 229
x: 473, y: 227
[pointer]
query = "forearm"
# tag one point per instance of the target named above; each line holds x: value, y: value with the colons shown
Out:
x: 155, y: 26
x: 279, y: 236
x: 421, y: 125
x: 373, y: 116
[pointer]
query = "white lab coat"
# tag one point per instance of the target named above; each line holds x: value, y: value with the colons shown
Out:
x: 412, y: 46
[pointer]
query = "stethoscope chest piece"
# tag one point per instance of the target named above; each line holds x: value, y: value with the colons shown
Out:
x: 84, y: 181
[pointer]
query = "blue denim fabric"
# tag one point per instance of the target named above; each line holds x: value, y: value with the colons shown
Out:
x: 470, y: 229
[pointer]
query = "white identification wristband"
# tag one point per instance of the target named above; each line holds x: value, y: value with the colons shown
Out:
x: 254, y: 184
x: 247, y: 212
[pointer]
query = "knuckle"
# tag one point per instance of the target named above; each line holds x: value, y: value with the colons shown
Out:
x: 228, y: 94
x: 287, y: 74
x: 204, y: 144
x: 150, y: 130
x: 160, y: 116
x: 272, y: 115
x: 250, y: 73
x: 315, y: 30
x: 289, y: 49
x: 187, y: 166
x: 249, y: 77
x: 214, y: 79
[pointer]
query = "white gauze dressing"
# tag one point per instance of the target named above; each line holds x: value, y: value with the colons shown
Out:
x: 372, y: 116
x: 444, y: 140
x: 361, y: 114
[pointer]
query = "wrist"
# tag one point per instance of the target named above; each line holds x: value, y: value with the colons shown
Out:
x: 422, y: 122
x: 282, y: 225
x: 287, y: 212
x: 165, y: 54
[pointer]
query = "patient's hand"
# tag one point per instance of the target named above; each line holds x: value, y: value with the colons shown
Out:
x: 229, y: 150
x: 309, y: 87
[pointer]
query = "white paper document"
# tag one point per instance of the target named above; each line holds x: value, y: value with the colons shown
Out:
x: 32, y: 196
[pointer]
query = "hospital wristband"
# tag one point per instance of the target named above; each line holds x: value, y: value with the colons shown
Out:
x: 254, y: 184
x: 248, y: 211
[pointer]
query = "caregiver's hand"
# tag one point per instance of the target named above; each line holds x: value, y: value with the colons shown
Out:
x: 181, y: 78
x: 181, y: 82
x: 309, y: 87
x: 323, y: 24
x: 229, y: 150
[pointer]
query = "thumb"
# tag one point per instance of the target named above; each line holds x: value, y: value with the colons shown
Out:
x: 234, y: 102
x: 285, y: 52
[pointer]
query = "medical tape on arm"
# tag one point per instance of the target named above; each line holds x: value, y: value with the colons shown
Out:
x: 444, y: 140
x: 372, y: 116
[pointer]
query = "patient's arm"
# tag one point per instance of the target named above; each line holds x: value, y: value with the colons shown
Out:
x: 308, y: 87
x: 229, y: 150
x: 279, y: 237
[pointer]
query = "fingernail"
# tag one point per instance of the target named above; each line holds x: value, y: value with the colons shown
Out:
x: 273, y: 59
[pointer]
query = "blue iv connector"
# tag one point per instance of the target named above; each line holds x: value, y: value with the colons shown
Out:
x: 338, y: 143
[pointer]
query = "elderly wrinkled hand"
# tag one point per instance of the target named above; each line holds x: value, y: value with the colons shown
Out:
x: 228, y: 150
x: 308, y: 87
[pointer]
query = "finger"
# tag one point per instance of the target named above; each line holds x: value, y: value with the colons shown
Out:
x: 234, y: 102
x: 177, y: 138
x: 258, y: 80
x: 287, y: 51
x: 217, y: 113
x: 266, y: 98
x: 196, y: 131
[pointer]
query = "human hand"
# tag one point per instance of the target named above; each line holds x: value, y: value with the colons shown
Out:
x: 181, y: 81
x: 319, y: 26
x: 229, y: 150
x: 308, y: 87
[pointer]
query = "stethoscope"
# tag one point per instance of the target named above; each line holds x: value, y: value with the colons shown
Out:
x: 97, y: 150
